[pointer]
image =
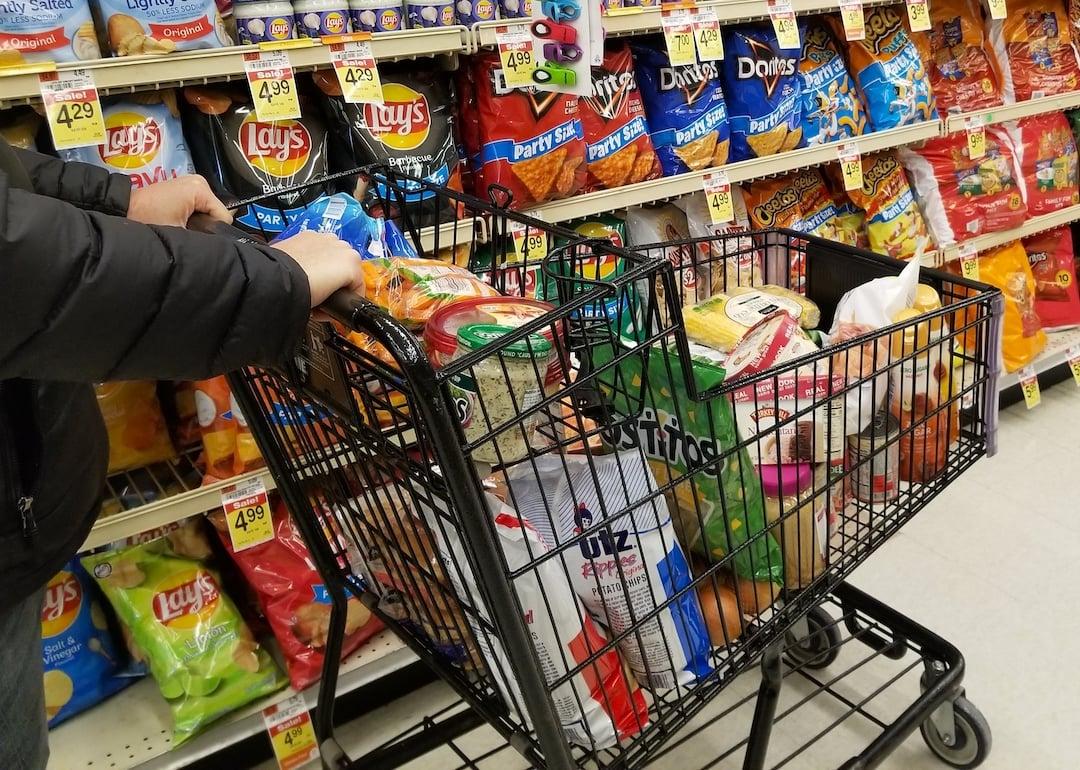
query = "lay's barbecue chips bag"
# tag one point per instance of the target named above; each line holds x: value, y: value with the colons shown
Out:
x: 761, y: 85
x: 831, y: 109
x: 894, y: 224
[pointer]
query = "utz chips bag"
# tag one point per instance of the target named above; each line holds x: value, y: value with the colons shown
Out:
x: 81, y: 663
x: 888, y: 70
x: 894, y: 224
x: 957, y: 55
x: 531, y: 142
x: 667, y: 224
x: 202, y: 655
x: 831, y: 109
x: 1046, y: 154
x: 1034, y: 51
x: 962, y: 198
x: 723, y: 262
x: 761, y: 84
x: 686, y: 111
x: 618, y: 148
x: 1057, y: 301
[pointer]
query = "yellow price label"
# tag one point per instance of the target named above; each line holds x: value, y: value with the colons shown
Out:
x: 783, y: 21
x: 1073, y: 357
x: 679, y: 37
x: 273, y: 87
x: 247, y: 513
x: 851, y: 167
x: 516, y: 55
x: 851, y: 13
x: 997, y: 9
x: 530, y: 245
x: 707, y: 37
x: 718, y: 197
x: 357, y: 73
x: 976, y: 140
x: 292, y: 735
x: 969, y: 263
x: 918, y: 13
x: 72, y: 108
x: 1029, y: 386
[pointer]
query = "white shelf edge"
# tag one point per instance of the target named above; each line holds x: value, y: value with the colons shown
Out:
x: 992, y: 240
x: 955, y: 123
x: 1054, y: 354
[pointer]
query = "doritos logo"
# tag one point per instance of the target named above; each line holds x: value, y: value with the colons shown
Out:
x: 881, y: 26
x: 402, y: 121
x: 63, y: 599
x: 280, y: 149
x: 132, y: 141
x: 692, y: 79
x: 611, y: 92
x: 185, y: 599
x: 1037, y: 257
x: 765, y: 65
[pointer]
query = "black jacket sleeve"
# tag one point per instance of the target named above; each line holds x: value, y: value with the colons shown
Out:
x: 80, y: 184
x: 90, y: 297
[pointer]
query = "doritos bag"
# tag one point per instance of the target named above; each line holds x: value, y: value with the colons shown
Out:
x: 894, y: 225
x: 1057, y: 301
x: 686, y: 111
x: 1046, y: 154
x: 761, y: 85
x: 136, y: 426
x: 619, y: 150
x: 78, y: 653
x: 1034, y: 51
x: 888, y: 70
x: 962, y: 198
x: 958, y: 57
x: 532, y: 142
x: 831, y: 108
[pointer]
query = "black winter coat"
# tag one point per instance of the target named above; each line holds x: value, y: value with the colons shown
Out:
x: 87, y: 296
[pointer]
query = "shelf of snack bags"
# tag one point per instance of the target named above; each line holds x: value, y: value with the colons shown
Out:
x: 1060, y: 346
x: 1032, y: 226
x: 1015, y: 111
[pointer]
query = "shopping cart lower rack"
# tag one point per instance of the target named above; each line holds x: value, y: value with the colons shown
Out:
x: 584, y: 523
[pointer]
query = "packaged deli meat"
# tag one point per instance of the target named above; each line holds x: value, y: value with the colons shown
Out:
x: 155, y: 28
x: 47, y: 31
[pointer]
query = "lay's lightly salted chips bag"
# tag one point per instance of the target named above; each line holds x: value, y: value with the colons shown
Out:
x: 831, y: 109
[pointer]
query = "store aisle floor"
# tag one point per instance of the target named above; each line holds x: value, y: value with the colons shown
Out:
x: 992, y: 566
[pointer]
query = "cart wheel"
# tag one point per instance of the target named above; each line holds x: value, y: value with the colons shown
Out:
x: 970, y: 745
x: 821, y: 645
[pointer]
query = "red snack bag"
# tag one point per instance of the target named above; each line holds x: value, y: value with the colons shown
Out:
x: 1057, y: 300
x: 294, y: 599
x: 1033, y: 47
x: 1046, y: 154
x: 619, y: 150
x: 531, y: 142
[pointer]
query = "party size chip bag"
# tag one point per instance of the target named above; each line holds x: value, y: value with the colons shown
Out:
x: 1046, y: 154
x: 1057, y: 301
x: 894, y: 224
x: 831, y: 108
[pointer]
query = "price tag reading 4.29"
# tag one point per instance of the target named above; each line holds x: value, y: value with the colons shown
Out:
x: 679, y: 36
x: 516, y: 55
x: 783, y: 21
x: 718, y: 197
x: 247, y: 512
x: 291, y: 733
x: 273, y: 87
x: 710, y: 45
x: 356, y: 72
x: 72, y: 108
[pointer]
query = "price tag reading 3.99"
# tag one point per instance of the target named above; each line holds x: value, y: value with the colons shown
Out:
x: 918, y: 13
x: 357, y: 74
x: 273, y: 87
x: 247, y: 512
x: 72, y: 108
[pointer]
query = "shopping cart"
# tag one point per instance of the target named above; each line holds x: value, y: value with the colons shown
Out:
x: 570, y: 521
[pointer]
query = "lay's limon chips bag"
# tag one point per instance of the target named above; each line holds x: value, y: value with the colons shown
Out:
x: 888, y: 70
x: 894, y: 224
x: 831, y: 108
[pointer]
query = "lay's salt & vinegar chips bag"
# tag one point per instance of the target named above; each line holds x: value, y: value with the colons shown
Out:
x: 761, y: 85
x: 831, y: 108
x: 888, y: 70
x: 1034, y: 51
x: 894, y: 224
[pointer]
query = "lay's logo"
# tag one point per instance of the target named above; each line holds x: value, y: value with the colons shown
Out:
x: 281, y: 148
x: 402, y: 121
x: 183, y: 600
x: 63, y: 600
x: 132, y: 141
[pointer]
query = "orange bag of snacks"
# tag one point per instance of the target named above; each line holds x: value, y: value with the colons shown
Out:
x: 1034, y: 51
x: 217, y: 426
x: 137, y: 432
x: 411, y: 289
x: 1046, y: 155
x: 894, y: 224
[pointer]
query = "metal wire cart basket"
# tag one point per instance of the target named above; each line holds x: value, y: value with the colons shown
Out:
x: 585, y: 521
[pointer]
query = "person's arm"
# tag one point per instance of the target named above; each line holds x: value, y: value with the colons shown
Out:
x: 80, y: 184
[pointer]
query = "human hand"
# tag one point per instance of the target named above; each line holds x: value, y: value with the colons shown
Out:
x: 330, y: 263
x: 173, y: 201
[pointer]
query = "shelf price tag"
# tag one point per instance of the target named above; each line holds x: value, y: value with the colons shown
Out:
x: 1029, y: 386
x: 851, y: 13
x: 247, y: 511
x: 997, y: 9
x: 1072, y: 355
x: 516, y: 55
x: 850, y: 166
x: 357, y: 74
x: 679, y: 36
x: 291, y: 733
x: 529, y: 243
x: 918, y: 13
x: 718, y: 197
x: 273, y: 87
x: 976, y: 137
x: 969, y: 261
x: 707, y: 38
x: 72, y: 108
x: 783, y: 21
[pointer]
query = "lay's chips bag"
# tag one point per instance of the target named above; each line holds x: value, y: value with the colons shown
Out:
x: 761, y: 85
x: 894, y: 224
x: 831, y: 109
x: 889, y: 71
x: 1034, y: 50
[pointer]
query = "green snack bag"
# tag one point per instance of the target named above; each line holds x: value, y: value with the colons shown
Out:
x: 717, y: 497
x: 201, y: 653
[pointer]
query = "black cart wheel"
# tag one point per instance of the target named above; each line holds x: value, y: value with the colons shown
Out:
x: 969, y: 746
x: 820, y: 647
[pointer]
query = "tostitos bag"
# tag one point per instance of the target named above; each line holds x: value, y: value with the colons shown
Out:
x: 894, y: 224
x: 1034, y: 51
x: 1046, y: 154
x: 831, y: 108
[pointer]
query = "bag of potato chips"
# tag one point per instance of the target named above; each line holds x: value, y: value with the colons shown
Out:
x: 1057, y: 300
x: 650, y: 225
x: 894, y: 224
x: 761, y: 85
x: 201, y: 653
x: 723, y: 263
x: 136, y: 426
x: 1034, y: 51
x: 831, y: 109
x: 1046, y: 154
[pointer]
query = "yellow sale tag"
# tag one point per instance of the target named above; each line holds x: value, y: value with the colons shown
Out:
x: 997, y: 9
x: 273, y: 87
x: 976, y: 138
x: 72, y: 108
x: 707, y: 38
x: 783, y: 21
x: 247, y: 511
x: 851, y: 13
x: 718, y: 197
x: 969, y: 263
x: 357, y: 73
x: 1073, y: 356
x: 918, y: 13
x: 1029, y: 385
x: 530, y: 245
x: 516, y: 55
x: 291, y: 733
x: 850, y: 167
x: 679, y: 37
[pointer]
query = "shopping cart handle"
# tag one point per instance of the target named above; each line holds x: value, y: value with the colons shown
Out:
x: 204, y: 223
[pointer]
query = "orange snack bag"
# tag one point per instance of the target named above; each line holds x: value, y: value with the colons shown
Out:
x: 1034, y: 52
x: 217, y: 426
x: 135, y: 425
x: 412, y: 289
x: 894, y: 224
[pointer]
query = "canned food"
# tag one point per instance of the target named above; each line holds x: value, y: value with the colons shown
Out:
x: 877, y: 480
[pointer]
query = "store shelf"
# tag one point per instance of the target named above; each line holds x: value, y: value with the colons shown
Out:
x: 991, y: 240
x: 135, y: 73
x: 1045, y: 104
x: 133, y: 728
x: 743, y: 171
x: 1054, y: 354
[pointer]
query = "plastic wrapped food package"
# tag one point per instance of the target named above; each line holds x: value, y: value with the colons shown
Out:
x: 1033, y: 48
x: 724, y: 264
x: 653, y: 225
x: 831, y: 108
x: 412, y: 290
x: 217, y: 426
x: 1057, y: 300
x: 1046, y: 155
x: 135, y: 424
x: 721, y: 321
x: 894, y: 224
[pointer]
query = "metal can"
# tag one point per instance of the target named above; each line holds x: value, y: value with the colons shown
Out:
x: 878, y: 479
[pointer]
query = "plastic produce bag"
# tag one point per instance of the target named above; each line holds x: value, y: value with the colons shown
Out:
x: 341, y: 215
x: 411, y: 290
x: 137, y: 432
x: 1057, y: 300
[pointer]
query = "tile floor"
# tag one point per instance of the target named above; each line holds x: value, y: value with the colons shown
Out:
x: 993, y: 565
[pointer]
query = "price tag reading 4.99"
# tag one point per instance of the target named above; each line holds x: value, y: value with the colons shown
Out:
x: 291, y: 733
x: 72, y: 108
x: 718, y: 197
x: 679, y: 35
x: 356, y: 71
x: 247, y: 511
x: 530, y: 244
x: 273, y: 88
x: 516, y: 55
x: 783, y: 21
x: 850, y: 166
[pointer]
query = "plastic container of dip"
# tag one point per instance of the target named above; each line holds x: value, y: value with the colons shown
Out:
x: 264, y: 21
x: 430, y: 13
x: 318, y: 18
x: 377, y: 15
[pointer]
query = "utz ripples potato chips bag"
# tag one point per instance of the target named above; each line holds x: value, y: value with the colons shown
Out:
x: 888, y: 70
x: 894, y: 224
x: 1034, y: 51
x: 1046, y: 154
x: 831, y: 108
x: 761, y: 85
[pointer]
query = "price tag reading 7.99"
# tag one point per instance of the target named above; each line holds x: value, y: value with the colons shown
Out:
x: 273, y: 88
x: 247, y: 512
x: 72, y: 108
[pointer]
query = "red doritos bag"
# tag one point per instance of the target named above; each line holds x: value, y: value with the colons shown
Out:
x: 531, y: 142
x: 1034, y: 51
x: 1046, y: 154
x: 619, y: 150
x: 1057, y: 300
